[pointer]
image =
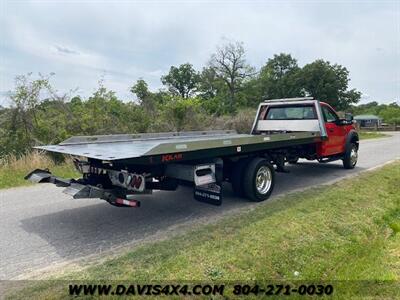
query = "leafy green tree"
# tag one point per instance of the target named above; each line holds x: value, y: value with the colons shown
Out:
x: 28, y: 94
x: 104, y: 113
x: 279, y: 77
x: 19, y: 129
x: 181, y: 111
x: 182, y: 80
x: 141, y: 90
x: 210, y: 83
x: 329, y: 83
x: 213, y: 92
x: 390, y: 113
x: 250, y: 94
x: 145, y: 97
x: 230, y: 65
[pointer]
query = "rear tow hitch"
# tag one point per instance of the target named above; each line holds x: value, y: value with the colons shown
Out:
x: 79, y: 190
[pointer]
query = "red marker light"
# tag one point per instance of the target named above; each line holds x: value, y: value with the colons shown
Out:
x: 131, y: 203
x: 133, y: 181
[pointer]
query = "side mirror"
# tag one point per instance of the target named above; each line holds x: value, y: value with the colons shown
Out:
x: 341, y: 122
x: 348, y: 117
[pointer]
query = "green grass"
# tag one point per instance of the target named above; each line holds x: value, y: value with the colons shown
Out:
x: 13, y: 171
x: 347, y: 231
x: 365, y: 135
x: 10, y: 179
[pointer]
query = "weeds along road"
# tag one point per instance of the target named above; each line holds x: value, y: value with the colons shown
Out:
x: 41, y: 227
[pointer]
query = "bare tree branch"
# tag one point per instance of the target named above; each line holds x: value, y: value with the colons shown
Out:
x: 230, y: 65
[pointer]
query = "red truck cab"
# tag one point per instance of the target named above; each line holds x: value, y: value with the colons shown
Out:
x: 337, y: 131
x: 338, y: 137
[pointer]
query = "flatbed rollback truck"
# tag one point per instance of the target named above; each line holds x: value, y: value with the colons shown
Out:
x: 117, y: 168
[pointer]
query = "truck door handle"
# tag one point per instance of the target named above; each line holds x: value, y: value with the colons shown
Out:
x: 331, y: 130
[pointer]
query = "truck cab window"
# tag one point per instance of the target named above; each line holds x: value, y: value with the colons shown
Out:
x: 329, y: 115
x: 291, y: 113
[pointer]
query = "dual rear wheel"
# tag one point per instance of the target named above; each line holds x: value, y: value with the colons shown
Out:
x: 253, y: 178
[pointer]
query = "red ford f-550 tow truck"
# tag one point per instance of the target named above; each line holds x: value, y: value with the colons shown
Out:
x: 117, y: 168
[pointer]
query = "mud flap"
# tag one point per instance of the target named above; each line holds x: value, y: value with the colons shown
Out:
x: 209, y: 193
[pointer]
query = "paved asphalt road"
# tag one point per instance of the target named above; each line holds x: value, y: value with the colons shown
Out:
x: 40, y: 226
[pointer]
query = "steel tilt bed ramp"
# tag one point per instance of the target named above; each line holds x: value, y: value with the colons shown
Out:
x: 146, y: 148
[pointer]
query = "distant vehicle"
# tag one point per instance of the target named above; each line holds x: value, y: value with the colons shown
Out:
x: 116, y: 168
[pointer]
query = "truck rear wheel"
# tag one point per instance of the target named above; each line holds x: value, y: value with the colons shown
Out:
x: 350, y: 156
x: 258, y: 180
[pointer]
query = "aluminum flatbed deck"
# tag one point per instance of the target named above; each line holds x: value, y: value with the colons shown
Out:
x: 133, y: 146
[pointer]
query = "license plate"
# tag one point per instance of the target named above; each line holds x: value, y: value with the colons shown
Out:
x: 208, y: 193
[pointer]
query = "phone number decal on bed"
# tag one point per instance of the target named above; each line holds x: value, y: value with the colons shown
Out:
x: 283, y: 290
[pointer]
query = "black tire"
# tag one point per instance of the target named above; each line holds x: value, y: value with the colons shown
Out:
x: 250, y: 180
x: 293, y: 161
x: 348, y: 158
x: 237, y: 176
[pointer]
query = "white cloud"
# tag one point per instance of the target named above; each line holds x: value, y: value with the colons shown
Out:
x: 65, y: 50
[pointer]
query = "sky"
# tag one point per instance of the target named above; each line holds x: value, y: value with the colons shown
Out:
x: 119, y: 42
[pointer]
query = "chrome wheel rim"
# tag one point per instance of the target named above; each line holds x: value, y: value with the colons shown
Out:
x: 263, y: 180
x: 353, y: 156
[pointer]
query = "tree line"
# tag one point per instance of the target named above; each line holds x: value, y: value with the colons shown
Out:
x: 227, y: 88
x: 390, y: 113
x: 228, y: 83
